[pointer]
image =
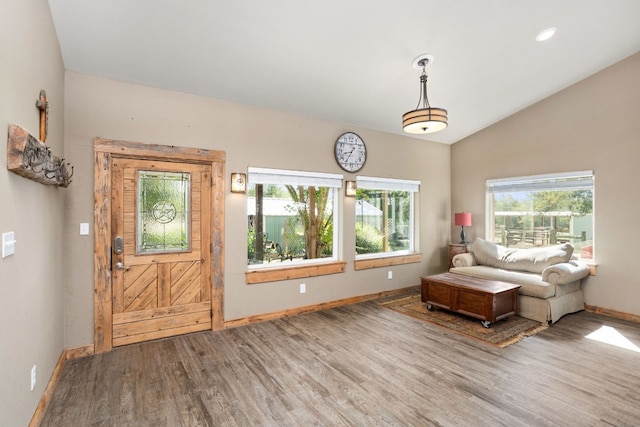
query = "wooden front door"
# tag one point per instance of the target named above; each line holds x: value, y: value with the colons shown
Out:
x: 161, y: 274
x: 161, y: 249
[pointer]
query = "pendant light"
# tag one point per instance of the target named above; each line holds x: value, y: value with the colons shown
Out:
x: 425, y: 118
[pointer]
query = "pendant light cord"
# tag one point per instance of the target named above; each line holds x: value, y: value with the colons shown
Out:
x: 423, y: 89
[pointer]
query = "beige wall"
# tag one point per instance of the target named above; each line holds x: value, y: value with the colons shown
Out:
x: 31, y: 281
x: 592, y: 125
x: 250, y: 137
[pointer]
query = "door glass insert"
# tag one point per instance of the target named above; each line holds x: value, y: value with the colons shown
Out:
x: 163, y: 212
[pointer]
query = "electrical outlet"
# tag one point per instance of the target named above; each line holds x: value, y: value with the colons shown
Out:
x: 390, y: 275
x: 303, y: 288
x: 33, y: 377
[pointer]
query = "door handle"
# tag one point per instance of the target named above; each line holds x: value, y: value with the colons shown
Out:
x: 121, y: 266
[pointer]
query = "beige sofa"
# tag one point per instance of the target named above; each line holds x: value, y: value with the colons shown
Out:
x: 550, y: 280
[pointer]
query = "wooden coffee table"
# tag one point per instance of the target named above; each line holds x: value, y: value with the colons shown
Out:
x: 487, y: 300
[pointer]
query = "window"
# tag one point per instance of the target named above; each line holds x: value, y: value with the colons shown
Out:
x: 384, y: 216
x: 542, y: 210
x: 292, y: 217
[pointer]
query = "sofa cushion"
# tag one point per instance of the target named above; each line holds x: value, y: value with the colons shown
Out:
x: 530, y: 283
x: 533, y: 260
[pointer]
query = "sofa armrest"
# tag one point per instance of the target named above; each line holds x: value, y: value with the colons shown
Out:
x: 464, y: 260
x: 565, y: 272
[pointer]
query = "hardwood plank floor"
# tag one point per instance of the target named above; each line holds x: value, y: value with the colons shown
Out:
x: 357, y: 365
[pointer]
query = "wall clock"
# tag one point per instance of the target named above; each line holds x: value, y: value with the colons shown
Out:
x: 350, y: 152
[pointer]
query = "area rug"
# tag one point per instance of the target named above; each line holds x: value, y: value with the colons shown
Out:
x: 501, y: 333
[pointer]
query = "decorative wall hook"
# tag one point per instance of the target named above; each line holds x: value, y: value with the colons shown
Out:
x: 57, y: 170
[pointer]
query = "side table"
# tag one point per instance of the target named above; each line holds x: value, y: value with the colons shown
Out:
x: 455, y: 249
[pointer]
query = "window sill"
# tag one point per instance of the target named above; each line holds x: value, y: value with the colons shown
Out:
x: 364, y: 264
x: 297, y: 272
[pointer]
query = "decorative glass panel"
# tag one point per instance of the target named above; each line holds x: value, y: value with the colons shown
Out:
x: 163, y: 212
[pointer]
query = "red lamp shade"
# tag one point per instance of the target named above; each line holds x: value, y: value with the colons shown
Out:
x: 463, y: 219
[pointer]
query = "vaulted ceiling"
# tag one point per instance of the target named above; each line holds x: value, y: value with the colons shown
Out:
x: 349, y: 61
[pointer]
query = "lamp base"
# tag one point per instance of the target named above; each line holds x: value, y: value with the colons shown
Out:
x: 462, y: 236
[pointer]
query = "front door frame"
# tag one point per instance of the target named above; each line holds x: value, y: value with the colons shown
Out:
x: 104, y: 151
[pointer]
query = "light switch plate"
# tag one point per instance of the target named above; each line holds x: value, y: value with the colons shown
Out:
x: 8, y: 244
x: 84, y: 228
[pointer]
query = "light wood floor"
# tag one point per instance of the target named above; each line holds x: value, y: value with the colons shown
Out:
x: 357, y: 365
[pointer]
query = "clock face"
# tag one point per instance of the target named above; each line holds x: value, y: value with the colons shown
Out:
x: 350, y: 151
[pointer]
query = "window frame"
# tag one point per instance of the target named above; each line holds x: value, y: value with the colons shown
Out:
x: 266, y: 272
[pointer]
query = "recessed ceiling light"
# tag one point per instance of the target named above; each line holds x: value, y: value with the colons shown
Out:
x: 546, y: 34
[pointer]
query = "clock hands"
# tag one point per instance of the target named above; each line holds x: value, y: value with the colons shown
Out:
x: 350, y: 153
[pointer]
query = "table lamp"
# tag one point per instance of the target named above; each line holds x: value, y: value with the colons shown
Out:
x: 463, y: 219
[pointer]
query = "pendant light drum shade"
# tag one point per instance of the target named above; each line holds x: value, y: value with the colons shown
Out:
x: 425, y: 120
